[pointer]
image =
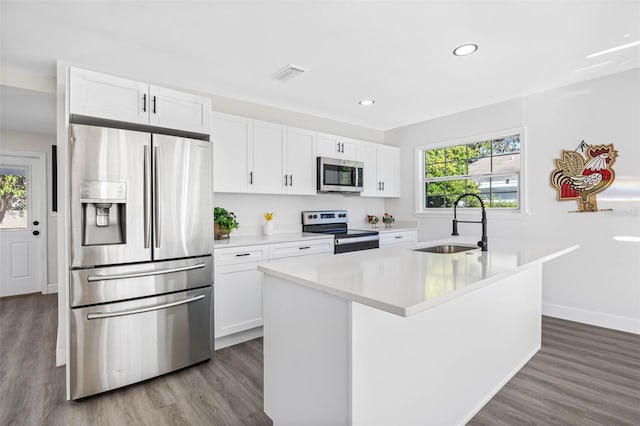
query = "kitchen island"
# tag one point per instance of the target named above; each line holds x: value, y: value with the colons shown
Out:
x: 399, y: 336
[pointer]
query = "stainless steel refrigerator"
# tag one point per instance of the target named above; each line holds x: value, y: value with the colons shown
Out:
x: 141, y: 266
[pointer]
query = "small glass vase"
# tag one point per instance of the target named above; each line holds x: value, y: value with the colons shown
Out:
x: 267, y: 228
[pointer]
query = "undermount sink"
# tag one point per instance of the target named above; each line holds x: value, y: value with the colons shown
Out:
x: 446, y: 249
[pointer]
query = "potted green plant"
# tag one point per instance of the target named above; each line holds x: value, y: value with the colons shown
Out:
x: 224, y: 222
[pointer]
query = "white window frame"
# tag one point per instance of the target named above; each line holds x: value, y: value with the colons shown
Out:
x: 421, y: 211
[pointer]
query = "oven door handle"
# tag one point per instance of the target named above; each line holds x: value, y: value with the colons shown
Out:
x: 101, y: 315
x: 92, y: 278
x: 357, y: 239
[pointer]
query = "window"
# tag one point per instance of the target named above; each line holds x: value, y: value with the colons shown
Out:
x: 488, y: 166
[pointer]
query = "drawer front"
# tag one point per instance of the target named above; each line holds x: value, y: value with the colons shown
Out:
x: 113, y: 283
x: 117, y: 344
x: 300, y: 248
x: 238, y: 255
x: 393, y: 238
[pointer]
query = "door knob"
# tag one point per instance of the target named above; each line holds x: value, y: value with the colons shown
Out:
x: 36, y: 232
x: 36, y: 223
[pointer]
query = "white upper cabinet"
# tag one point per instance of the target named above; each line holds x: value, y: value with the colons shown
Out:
x: 179, y: 110
x: 300, y: 161
x: 231, y: 137
x: 380, y: 170
x: 99, y: 95
x: 337, y: 147
x: 262, y: 157
x: 266, y: 155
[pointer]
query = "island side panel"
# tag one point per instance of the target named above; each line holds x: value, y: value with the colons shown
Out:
x: 440, y: 366
x: 306, y: 355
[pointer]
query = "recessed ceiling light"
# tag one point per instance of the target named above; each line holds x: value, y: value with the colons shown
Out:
x: 367, y: 102
x: 465, y: 49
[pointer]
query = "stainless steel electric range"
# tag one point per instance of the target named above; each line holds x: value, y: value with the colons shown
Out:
x: 335, y: 222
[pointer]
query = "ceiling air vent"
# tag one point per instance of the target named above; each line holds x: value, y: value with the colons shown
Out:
x: 288, y: 72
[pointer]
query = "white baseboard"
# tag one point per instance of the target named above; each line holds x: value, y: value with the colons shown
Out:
x: 600, y: 319
x: 234, y: 339
x: 52, y: 288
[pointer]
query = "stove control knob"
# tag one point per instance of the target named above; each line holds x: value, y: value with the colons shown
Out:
x: 315, y: 216
x: 310, y: 216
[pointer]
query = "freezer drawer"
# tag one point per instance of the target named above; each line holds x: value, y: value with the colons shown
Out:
x: 118, y: 344
x: 117, y: 283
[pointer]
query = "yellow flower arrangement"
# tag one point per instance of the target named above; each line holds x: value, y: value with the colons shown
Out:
x: 268, y: 216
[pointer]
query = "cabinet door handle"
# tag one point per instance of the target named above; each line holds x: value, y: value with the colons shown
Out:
x: 286, y: 182
x: 397, y: 237
x: 144, y: 102
x: 342, y: 149
x: 304, y: 248
x: 290, y: 180
x: 250, y: 178
x: 243, y: 254
x: 383, y: 185
x: 155, y: 110
x: 379, y: 186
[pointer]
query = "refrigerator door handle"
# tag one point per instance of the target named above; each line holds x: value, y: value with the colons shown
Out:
x: 147, y: 196
x: 100, y: 315
x: 156, y: 195
x: 92, y: 278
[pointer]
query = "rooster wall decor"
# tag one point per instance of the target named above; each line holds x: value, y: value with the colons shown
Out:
x: 581, y: 178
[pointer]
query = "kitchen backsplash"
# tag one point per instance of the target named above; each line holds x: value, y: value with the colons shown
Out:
x: 250, y: 209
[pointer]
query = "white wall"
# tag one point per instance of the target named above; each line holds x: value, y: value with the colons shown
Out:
x: 250, y: 208
x: 13, y: 140
x: 600, y: 283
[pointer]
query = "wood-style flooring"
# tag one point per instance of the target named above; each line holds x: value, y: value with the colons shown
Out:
x: 583, y: 375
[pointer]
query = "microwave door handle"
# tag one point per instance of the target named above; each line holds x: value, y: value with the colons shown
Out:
x: 156, y: 196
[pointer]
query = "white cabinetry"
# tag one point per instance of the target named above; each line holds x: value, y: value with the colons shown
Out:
x: 380, y: 170
x: 231, y: 137
x: 398, y: 237
x: 333, y: 146
x: 238, y: 286
x: 237, y: 289
x: 300, y: 161
x: 266, y: 158
x: 104, y: 96
x: 300, y: 248
x: 262, y: 157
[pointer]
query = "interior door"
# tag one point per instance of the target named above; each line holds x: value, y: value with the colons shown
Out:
x: 22, y: 268
x: 182, y: 194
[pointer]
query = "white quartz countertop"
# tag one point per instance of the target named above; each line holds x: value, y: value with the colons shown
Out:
x: 405, y: 282
x: 251, y: 240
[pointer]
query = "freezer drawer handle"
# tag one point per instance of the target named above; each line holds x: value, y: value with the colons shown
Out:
x: 100, y: 315
x: 92, y: 278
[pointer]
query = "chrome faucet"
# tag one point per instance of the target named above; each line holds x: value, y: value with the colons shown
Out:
x: 483, y: 242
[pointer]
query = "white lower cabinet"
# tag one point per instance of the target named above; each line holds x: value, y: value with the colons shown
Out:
x: 237, y: 301
x: 399, y: 237
x: 300, y: 248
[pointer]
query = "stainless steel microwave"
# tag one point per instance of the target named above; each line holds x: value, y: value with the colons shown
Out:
x: 336, y: 175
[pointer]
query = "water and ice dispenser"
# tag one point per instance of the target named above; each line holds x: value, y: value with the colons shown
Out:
x: 104, y: 207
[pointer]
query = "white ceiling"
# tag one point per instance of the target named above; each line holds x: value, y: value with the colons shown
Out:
x: 398, y: 53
